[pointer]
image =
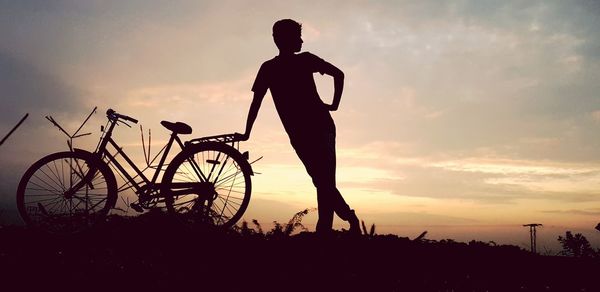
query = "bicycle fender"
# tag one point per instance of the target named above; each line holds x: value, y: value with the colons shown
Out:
x: 243, y: 160
x: 82, y: 151
x: 91, y: 154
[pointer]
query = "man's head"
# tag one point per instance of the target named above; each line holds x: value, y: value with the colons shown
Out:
x: 287, y: 35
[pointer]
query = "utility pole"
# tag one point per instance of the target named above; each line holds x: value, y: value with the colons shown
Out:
x: 532, y: 235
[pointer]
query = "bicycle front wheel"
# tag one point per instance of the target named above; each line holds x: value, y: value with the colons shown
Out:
x: 66, y: 192
x: 208, y: 182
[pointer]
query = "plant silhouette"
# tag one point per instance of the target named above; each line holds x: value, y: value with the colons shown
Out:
x: 279, y: 230
x: 305, y: 117
x: 13, y: 129
x: 371, y: 232
x: 576, y: 245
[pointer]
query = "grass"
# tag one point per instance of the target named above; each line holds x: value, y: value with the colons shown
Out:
x: 150, y: 251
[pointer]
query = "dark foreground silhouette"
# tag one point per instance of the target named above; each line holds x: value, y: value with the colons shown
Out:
x: 149, y: 251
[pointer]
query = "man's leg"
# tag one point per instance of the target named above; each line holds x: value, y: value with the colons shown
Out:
x: 331, y: 201
x: 312, y: 151
x: 326, y: 209
x: 339, y: 204
x: 318, y: 156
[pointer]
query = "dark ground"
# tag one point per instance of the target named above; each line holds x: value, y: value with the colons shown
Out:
x: 147, y: 252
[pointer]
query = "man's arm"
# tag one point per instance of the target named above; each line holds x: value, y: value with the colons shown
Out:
x: 252, y: 114
x: 338, y: 84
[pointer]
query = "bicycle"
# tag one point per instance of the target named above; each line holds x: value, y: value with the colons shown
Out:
x: 208, y: 181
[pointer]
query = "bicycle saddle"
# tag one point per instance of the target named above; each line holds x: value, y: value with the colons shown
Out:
x: 177, y: 127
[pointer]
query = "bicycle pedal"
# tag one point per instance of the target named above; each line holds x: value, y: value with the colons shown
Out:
x: 136, y: 207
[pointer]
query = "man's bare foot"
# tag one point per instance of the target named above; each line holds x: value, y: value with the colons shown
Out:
x: 354, y: 223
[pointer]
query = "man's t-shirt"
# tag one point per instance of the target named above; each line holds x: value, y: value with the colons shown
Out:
x: 290, y: 79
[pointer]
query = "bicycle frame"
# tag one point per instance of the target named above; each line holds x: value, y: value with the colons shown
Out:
x: 147, y: 185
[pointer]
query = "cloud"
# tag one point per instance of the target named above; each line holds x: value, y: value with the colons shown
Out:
x: 481, y: 179
x: 415, y: 218
x: 229, y: 92
x: 479, y: 76
x: 508, y: 167
x: 26, y: 88
x: 596, y: 116
x: 584, y: 212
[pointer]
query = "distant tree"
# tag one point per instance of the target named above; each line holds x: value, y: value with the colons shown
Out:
x: 576, y: 245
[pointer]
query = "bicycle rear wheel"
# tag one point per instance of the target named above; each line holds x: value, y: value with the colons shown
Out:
x: 66, y: 192
x: 208, y: 183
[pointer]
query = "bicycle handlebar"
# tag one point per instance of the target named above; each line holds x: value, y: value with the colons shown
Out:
x: 112, y: 114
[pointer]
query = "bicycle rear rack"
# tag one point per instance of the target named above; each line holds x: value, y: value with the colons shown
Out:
x: 227, y: 138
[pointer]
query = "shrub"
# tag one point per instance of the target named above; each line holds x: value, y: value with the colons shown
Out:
x: 576, y: 245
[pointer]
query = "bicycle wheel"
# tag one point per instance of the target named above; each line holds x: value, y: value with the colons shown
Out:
x: 66, y: 192
x: 208, y: 182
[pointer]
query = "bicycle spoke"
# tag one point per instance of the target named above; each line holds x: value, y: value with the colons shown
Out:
x: 89, y: 195
x: 93, y: 207
x: 221, y: 170
x: 44, y: 189
x: 98, y: 182
x: 231, y: 202
x: 232, y: 191
x: 46, y: 183
x: 223, y: 164
x: 197, y: 171
x: 226, y: 200
x: 80, y: 173
x: 43, y: 195
x: 72, y: 170
x: 51, y: 200
x: 230, y: 197
x: 62, y: 168
x: 51, y: 209
x: 228, y: 178
x: 188, y: 172
x: 231, y: 213
x: 58, y: 177
x: 74, y: 208
x: 61, y: 191
x: 52, y: 180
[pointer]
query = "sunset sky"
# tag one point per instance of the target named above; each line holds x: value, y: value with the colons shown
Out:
x: 464, y: 118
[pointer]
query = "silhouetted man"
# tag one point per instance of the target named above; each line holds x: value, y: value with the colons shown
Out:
x: 305, y: 116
